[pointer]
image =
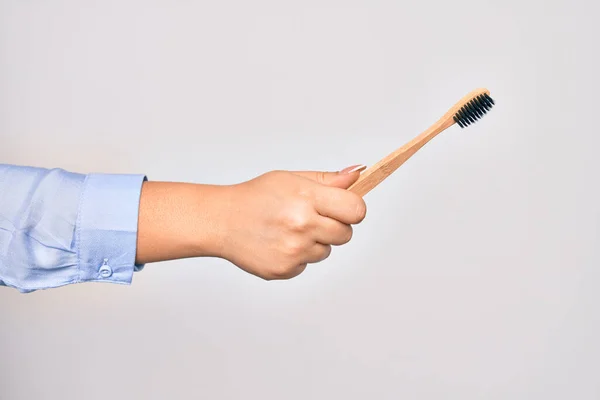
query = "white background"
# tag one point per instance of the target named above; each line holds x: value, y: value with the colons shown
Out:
x: 476, y: 274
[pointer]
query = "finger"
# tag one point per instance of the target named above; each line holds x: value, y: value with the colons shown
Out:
x: 289, y: 274
x: 342, y: 179
x: 331, y: 231
x: 341, y: 205
x: 318, y: 253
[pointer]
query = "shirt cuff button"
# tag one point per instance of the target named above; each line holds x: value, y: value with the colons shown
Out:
x: 105, y: 270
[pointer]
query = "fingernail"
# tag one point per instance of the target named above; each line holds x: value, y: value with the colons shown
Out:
x: 353, y: 168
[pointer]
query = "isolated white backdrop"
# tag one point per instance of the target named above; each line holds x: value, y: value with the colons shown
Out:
x: 475, y: 274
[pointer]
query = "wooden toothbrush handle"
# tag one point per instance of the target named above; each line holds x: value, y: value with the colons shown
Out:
x: 375, y: 174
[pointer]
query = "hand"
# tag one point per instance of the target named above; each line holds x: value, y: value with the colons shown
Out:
x: 271, y: 226
x: 281, y: 221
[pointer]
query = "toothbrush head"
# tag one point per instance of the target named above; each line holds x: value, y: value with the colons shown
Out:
x: 474, y: 108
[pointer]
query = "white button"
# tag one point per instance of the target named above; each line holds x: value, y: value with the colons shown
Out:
x: 105, y: 269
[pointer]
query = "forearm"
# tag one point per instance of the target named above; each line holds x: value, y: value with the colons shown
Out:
x: 180, y: 220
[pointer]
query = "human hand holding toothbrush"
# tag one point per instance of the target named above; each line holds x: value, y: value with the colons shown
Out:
x: 271, y: 226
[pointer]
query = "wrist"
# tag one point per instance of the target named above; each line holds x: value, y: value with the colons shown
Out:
x: 181, y: 220
x: 206, y: 228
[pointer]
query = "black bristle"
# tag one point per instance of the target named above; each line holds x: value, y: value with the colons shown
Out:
x: 480, y: 105
x: 487, y: 100
x: 468, y: 113
x: 465, y: 117
x: 472, y: 111
x: 457, y: 121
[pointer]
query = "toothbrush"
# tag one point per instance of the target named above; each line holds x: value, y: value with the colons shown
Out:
x: 468, y: 110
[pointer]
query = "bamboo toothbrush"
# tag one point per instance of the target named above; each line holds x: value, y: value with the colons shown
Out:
x: 468, y: 110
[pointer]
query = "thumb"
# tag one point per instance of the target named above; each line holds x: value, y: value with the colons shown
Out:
x: 342, y: 179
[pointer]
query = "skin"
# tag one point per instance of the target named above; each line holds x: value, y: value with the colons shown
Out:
x: 271, y: 226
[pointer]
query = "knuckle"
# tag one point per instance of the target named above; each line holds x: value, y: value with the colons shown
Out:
x: 297, y: 219
x: 347, y: 235
x: 326, y: 252
x: 321, y: 177
x: 282, y: 272
x: 360, y: 210
x: 293, y: 247
x: 276, y: 276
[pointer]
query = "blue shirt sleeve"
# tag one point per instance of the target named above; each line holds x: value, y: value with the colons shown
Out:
x: 59, y: 227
